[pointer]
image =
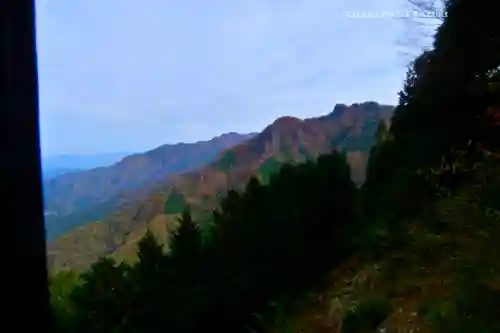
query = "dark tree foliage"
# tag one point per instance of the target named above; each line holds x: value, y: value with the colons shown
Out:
x: 266, y: 240
x: 150, y: 253
x: 268, y: 168
x: 226, y: 162
x: 443, y: 108
x: 175, y: 203
x: 186, y: 242
x: 100, y: 302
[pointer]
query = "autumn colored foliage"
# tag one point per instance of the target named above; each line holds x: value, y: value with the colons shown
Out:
x: 282, y: 237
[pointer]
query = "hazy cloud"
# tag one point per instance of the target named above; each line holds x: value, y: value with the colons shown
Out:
x: 122, y: 75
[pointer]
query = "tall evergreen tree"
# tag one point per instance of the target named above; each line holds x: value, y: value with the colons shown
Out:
x: 150, y: 252
x: 186, y: 241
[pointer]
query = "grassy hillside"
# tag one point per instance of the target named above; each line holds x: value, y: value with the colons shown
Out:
x: 286, y: 140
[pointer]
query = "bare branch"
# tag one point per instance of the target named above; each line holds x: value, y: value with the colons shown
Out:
x: 423, y: 5
x: 425, y: 16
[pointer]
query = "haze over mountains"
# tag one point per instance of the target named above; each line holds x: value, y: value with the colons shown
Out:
x: 229, y: 163
x: 56, y: 165
x: 397, y: 232
x: 80, y: 196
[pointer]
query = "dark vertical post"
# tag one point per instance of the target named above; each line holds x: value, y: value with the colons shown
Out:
x: 24, y: 278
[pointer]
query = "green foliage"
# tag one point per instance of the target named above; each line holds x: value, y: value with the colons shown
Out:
x: 175, y: 203
x: 362, y: 142
x: 226, y: 161
x: 149, y: 252
x: 186, y: 242
x: 258, y: 249
x: 268, y: 168
x: 61, y: 287
x: 100, y: 300
x: 62, y: 284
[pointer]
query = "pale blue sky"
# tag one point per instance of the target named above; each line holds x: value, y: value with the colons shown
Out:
x: 129, y: 75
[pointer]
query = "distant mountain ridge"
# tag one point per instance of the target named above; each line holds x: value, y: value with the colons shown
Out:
x: 49, y: 173
x: 77, y: 197
x: 347, y: 128
x: 81, y: 162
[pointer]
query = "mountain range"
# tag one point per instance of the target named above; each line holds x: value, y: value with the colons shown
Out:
x: 80, y: 162
x: 57, y: 165
x: 350, y: 129
x: 50, y: 173
x: 77, y: 197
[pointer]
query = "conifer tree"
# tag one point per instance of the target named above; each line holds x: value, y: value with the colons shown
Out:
x: 150, y: 252
x: 186, y: 241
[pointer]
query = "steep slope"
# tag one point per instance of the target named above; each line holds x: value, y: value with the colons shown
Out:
x: 75, y: 198
x: 288, y: 139
x: 444, y: 276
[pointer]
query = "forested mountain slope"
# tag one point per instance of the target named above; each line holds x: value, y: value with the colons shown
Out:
x: 415, y: 249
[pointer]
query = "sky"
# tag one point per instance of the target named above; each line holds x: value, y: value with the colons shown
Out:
x: 130, y: 75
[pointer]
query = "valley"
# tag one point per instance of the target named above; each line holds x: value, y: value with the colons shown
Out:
x: 80, y: 197
x: 349, y: 129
